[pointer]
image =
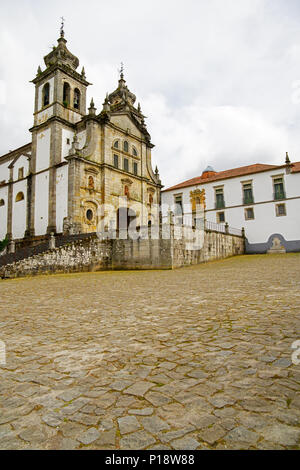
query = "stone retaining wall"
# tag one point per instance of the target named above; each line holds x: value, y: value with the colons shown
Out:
x: 77, y: 256
x: 165, y: 252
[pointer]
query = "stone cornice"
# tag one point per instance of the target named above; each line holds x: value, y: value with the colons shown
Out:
x: 52, y: 119
x: 68, y: 71
x: 15, y: 153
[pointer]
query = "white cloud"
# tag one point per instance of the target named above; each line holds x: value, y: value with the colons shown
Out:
x: 216, y: 79
x: 192, y: 137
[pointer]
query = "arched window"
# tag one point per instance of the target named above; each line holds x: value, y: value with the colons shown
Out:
x: 116, y: 144
x: 126, y: 146
x: 20, y: 197
x: 66, y: 94
x: 134, y: 152
x: 46, y: 94
x: 2, y: 202
x: 76, y: 98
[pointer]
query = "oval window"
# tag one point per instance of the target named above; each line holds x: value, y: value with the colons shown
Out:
x: 89, y: 215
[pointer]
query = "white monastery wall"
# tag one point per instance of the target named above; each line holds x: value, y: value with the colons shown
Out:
x: 43, y: 150
x: 19, y: 210
x: 3, y: 212
x: 61, y: 197
x: 41, y: 203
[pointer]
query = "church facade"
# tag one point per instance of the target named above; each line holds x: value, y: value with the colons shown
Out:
x: 81, y: 168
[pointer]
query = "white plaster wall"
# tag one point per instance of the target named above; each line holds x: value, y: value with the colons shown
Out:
x: 3, y: 212
x: 4, y: 170
x: 43, y: 150
x: 41, y: 203
x: 292, y: 184
x: 40, y: 92
x: 66, y: 134
x: 61, y: 197
x: 19, y: 210
x: 22, y: 162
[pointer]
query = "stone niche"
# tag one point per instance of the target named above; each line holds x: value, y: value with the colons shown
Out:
x: 276, y: 247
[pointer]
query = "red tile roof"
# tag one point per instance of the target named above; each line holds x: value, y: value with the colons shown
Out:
x: 296, y: 167
x: 241, y: 171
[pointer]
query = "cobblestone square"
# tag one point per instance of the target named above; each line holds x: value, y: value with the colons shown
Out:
x: 195, y: 358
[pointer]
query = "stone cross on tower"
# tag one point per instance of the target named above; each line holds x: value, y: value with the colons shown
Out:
x: 62, y: 32
x: 121, y: 71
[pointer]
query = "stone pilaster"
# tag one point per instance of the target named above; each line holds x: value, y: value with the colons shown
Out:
x: 55, y: 157
x: 9, y: 234
x: 74, y: 193
x: 29, y: 207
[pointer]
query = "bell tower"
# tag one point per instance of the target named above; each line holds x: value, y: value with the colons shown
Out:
x: 60, y: 103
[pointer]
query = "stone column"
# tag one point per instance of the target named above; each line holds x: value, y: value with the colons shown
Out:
x: 55, y: 157
x: 74, y: 193
x: 9, y: 234
x: 28, y: 208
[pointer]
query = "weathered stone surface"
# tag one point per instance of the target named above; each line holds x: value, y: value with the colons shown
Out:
x: 34, y: 435
x: 139, y: 388
x: 213, y: 434
x: 89, y: 436
x: 185, y: 443
x: 51, y: 420
x: 241, y: 434
x: 141, y: 412
x: 128, y: 424
x: 282, y: 434
x: 154, y: 424
x: 60, y: 351
x: 137, y: 441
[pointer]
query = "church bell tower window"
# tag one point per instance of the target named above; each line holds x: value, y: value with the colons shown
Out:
x: 76, y: 98
x: 66, y: 95
x: 46, y: 94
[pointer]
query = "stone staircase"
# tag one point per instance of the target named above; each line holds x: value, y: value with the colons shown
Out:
x: 32, y: 250
x: 76, y: 253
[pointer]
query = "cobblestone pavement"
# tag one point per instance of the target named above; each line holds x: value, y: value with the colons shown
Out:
x: 197, y: 358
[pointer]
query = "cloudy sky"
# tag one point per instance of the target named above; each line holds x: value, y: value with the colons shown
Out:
x: 219, y: 81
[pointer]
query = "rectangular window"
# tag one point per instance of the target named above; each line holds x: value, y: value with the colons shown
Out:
x: 280, y: 210
x: 135, y: 169
x: 220, y: 203
x: 249, y: 213
x: 21, y: 173
x: 116, y: 161
x: 126, y: 164
x: 247, y: 193
x: 178, y: 209
x: 279, y: 192
x: 220, y: 217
